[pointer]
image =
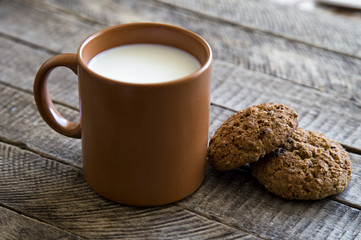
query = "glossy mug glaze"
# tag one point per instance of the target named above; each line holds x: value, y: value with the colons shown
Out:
x: 143, y: 144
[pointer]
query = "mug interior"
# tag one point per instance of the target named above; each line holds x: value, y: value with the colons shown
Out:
x: 155, y: 33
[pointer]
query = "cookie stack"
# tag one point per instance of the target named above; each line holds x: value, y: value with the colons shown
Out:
x: 289, y: 161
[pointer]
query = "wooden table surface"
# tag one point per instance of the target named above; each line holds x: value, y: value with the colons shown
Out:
x: 264, y: 51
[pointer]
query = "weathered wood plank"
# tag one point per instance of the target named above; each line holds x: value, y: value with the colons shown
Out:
x: 21, y: 124
x: 17, y: 226
x: 247, y: 205
x: 351, y: 195
x: 322, y: 29
x: 19, y: 64
x: 58, y: 195
x: 43, y: 28
x: 334, y: 116
x: 258, y: 51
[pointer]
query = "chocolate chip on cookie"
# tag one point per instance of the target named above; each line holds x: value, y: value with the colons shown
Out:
x: 308, y: 166
x: 250, y: 134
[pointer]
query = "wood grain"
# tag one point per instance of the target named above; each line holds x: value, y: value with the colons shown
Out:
x: 335, y: 116
x: 17, y: 226
x: 58, y: 195
x: 21, y: 124
x: 19, y: 71
x: 42, y: 189
x: 237, y: 198
x: 325, y: 30
x: 47, y: 28
x: 258, y: 51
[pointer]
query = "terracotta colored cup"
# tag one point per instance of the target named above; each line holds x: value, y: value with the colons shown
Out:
x: 143, y: 144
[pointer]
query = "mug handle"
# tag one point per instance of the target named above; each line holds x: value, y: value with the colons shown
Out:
x: 43, y: 100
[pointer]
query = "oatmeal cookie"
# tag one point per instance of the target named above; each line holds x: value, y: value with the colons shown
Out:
x: 250, y: 134
x: 309, y: 166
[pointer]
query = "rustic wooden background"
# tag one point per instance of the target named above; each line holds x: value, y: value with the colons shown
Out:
x: 263, y: 52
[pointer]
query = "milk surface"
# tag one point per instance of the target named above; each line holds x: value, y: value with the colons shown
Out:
x: 144, y: 63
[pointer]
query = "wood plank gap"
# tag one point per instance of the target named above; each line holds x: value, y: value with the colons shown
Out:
x: 223, y: 107
x: 333, y: 198
x: 253, y: 29
x: 62, y: 103
x: 39, y: 220
x: 351, y: 149
x: 179, y: 204
x: 27, y: 43
x: 6, y: 84
x: 355, y: 101
x: 23, y: 146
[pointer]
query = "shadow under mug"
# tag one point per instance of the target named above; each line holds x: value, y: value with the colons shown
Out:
x: 142, y: 144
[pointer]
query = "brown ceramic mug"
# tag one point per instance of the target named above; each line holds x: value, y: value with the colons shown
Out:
x: 142, y: 144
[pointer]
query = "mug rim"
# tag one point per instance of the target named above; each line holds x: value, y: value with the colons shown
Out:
x: 193, y: 75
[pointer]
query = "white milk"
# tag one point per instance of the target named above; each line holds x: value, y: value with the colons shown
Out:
x: 144, y: 63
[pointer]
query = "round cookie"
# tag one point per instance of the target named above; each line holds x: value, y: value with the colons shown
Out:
x: 309, y: 166
x: 250, y: 134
